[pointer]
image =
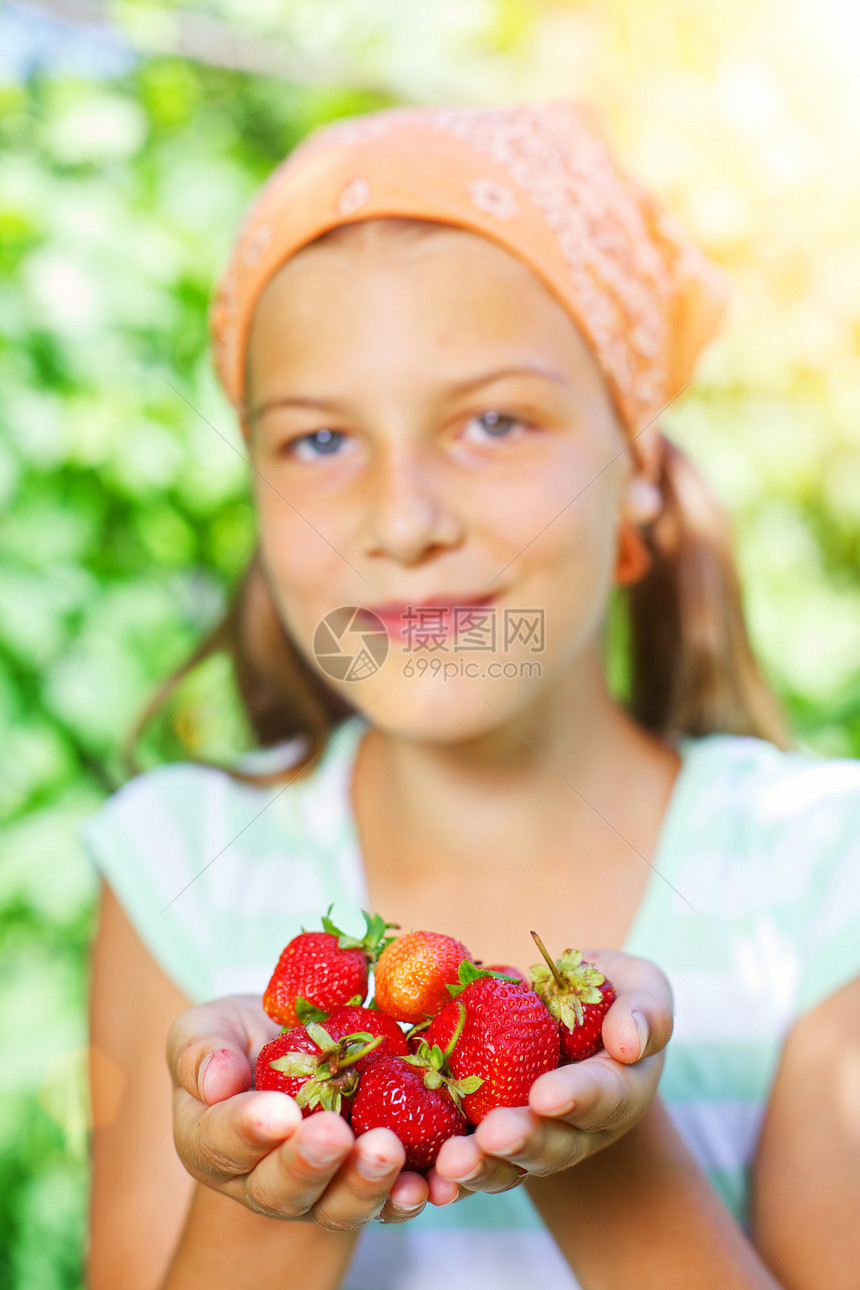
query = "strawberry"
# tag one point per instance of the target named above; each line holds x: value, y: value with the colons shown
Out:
x: 316, y: 1067
x: 507, y: 1038
x: 413, y: 972
x: 578, y: 995
x: 414, y: 1101
x: 325, y: 968
x: 347, y: 1019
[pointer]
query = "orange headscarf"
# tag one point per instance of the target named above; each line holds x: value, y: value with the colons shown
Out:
x: 537, y: 178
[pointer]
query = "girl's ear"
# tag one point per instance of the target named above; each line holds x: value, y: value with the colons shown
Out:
x: 633, y: 561
x: 641, y: 504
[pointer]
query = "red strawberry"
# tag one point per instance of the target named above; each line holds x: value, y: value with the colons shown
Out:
x: 578, y: 995
x: 325, y: 968
x: 348, y: 1019
x: 506, y: 1037
x: 318, y: 1068
x: 393, y: 1094
x: 413, y: 972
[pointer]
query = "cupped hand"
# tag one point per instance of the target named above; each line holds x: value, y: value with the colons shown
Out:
x: 257, y: 1148
x: 577, y: 1109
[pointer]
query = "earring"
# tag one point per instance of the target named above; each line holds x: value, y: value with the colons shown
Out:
x: 644, y: 500
x: 634, y: 558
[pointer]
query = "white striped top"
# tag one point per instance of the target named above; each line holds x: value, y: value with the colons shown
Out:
x: 752, y: 910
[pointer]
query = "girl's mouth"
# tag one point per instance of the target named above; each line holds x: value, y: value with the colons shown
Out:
x: 437, y: 616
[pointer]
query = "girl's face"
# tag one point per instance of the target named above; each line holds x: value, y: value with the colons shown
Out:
x: 428, y: 425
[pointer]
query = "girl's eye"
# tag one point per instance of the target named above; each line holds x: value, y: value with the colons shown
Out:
x: 328, y: 443
x: 317, y: 443
x: 496, y: 424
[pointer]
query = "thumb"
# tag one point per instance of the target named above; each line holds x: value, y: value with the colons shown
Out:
x: 207, y: 1052
x: 221, y: 1074
x: 636, y: 1029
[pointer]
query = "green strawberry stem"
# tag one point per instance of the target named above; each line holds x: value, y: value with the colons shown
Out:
x: 416, y: 1030
x: 458, y: 1029
x: 356, y: 1056
x: 557, y: 977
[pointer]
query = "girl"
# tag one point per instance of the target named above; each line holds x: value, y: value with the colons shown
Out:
x: 447, y: 334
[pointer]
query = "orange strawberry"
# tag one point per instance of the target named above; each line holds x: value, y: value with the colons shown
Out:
x: 413, y: 973
x: 578, y: 995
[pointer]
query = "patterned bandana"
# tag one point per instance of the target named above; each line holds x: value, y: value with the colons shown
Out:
x: 537, y: 178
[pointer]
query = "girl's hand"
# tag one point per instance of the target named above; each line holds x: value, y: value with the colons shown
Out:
x: 257, y: 1147
x: 577, y: 1109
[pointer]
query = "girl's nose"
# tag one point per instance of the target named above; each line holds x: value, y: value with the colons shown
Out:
x: 407, y: 510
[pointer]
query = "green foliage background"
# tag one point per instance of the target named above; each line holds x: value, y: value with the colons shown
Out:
x: 124, y: 511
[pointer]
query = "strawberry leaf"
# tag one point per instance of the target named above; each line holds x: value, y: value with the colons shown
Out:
x: 470, y: 1084
x: 321, y: 1037
x: 330, y: 1098
x: 566, y: 984
x: 437, y: 1057
x: 296, y: 1064
x: 308, y: 1094
x: 421, y: 1056
x: 375, y: 939
x: 567, y: 1009
x: 372, y: 943
x: 469, y: 972
x: 306, y: 1011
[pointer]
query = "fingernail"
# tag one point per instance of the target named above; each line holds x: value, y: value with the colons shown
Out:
x: 201, y: 1073
x: 642, y: 1027
x: 276, y: 1118
x: 373, y: 1168
x: 322, y: 1153
x: 545, y: 1104
x: 512, y: 1148
x: 410, y: 1209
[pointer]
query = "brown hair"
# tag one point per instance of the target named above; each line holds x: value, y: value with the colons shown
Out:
x: 690, y: 664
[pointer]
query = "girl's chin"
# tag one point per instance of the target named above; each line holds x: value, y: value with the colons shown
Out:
x: 436, y: 707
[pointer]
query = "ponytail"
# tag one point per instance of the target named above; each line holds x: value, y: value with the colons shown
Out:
x: 691, y: 665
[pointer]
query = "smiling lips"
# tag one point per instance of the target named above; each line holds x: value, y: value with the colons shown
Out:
x: 395, y: 609
x: 400, y: 617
